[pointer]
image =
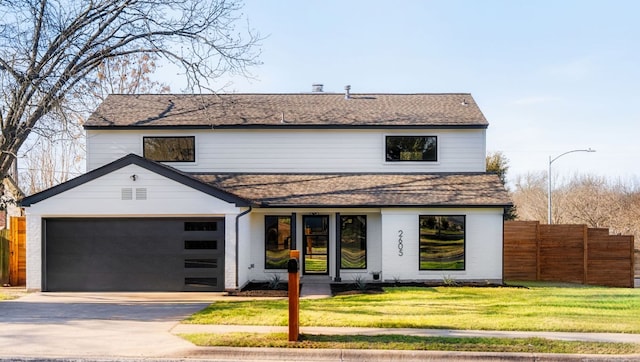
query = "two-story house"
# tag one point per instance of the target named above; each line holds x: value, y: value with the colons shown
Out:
x: 209, y: 192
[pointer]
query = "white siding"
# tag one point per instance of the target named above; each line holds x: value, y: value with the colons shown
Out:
x: 297, y: 150
x: 102, y: 197
x: 483, y: 245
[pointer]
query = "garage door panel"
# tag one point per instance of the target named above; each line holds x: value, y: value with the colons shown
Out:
x: 133, y: 254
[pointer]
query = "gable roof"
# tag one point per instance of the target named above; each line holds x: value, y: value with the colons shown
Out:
x: 364, y: 190
x: 304, y: 110
x: 132, y: 159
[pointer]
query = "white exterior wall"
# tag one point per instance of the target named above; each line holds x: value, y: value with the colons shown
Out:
x: 102, y: 198
x: 296, y: 150
x: 483, y: 245
x: 255, y: 270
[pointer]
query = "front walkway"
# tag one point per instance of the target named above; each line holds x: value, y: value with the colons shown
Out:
x: 315, y: 287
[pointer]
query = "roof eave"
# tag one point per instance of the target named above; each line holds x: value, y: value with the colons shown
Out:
x: 362, y: 206
x: 290, y: 126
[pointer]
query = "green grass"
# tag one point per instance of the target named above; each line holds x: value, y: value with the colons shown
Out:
x: 399, y: 342
x: 6, y: 296
x: 541, y: 307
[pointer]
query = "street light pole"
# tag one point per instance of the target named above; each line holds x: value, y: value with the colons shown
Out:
x: 549, y: 179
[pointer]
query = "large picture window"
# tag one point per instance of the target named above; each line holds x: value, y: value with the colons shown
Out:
x: 170, y: 149
x: 277, y: 241
x: 411, y: 148
x: 442, y: 241
x: 353, y: 235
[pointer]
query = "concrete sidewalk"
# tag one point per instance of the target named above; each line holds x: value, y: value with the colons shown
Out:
x: 562, y: 336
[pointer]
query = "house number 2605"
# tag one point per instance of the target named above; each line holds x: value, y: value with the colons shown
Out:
x: 400, y: 246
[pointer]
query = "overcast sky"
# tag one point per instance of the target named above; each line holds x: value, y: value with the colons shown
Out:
x: 550, y: 76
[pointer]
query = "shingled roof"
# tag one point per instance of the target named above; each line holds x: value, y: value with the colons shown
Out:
x: 363, y: 190
x: 287, y: 110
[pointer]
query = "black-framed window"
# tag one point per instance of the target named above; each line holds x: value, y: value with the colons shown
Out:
x: 442, y: 242
x: 169, y: 149
x: 277, y: 235
x: 411, y: 148
x: 353, y: 241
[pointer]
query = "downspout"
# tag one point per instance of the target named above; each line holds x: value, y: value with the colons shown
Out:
x: 238, y: 242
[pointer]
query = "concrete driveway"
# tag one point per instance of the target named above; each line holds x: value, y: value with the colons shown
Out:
x: 97, y: 324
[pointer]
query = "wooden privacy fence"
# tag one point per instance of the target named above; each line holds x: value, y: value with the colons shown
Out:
x: 13, y: 261
x: 567, y: 253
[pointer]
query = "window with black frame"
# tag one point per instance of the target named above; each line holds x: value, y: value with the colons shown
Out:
x: 353, y: 241
x: 169, y: 149
x: 442, y: 242
x: 411, y: 148
x: 277, y: 241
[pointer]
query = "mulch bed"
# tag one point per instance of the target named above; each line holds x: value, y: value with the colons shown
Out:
x: 255, y: 289
x: 377, y: 287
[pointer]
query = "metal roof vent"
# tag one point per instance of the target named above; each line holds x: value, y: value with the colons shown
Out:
x: 347, y: 89
x: 141, y: 193
x: 316, y: 88
x: 127, y: 194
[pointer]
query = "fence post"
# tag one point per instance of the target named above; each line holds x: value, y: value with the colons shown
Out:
x: 537, y: 250
x: 4, y: 259
x: 585, y: 251
x: 633, y: 261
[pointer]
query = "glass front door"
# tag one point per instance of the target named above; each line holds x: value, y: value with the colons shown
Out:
x: 316, y: 244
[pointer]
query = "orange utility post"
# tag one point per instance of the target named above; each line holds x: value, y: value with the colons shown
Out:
x: 293, y: 267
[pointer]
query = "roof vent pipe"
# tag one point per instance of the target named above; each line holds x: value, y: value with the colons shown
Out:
x: 347, y: 95
x: 316, y: 88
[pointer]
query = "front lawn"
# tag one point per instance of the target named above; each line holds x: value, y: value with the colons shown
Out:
x: 540, y: 307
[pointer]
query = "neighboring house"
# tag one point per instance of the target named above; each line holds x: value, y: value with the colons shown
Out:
x: 210, y: 192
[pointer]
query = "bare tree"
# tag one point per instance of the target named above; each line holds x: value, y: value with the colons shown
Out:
x: 49, y: 47
x: 530, y: 196
x: 128, y: 74
x: 583, y: 199
x: 59, y: 155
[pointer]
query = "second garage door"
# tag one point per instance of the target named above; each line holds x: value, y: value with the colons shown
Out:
x: 133, y: 254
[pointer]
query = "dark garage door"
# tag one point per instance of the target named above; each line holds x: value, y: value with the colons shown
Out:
x: 133, y: 254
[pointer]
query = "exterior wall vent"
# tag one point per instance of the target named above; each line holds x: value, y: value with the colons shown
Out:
x: 127, y: 194
x: 141, y: 194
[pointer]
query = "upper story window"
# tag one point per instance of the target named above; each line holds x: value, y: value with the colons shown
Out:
x: 411, y: 148
x: 170, y: 149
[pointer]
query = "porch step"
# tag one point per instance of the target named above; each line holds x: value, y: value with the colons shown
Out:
x: 315, y: 287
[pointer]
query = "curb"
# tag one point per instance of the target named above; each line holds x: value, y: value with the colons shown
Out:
x: 227, y: 354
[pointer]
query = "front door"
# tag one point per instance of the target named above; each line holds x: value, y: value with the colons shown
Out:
x: 316, y: 244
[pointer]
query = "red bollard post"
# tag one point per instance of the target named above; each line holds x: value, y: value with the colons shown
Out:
x: 293, y: 268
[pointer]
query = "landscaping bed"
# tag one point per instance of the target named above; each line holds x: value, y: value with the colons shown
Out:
x: 378, y: 287
x: 270, y: 289
x: 264, y: 289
